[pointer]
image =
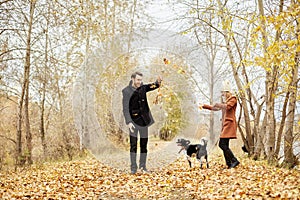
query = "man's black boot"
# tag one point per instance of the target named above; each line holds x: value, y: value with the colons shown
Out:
x: 133, y: 165
x: 143, y: 159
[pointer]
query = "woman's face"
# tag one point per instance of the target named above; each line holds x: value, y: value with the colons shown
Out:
x: 225, y: 95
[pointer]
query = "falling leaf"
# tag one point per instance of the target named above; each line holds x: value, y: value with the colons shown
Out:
x: 166, y: 61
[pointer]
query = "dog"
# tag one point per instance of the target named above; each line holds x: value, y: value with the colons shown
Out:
x: 190, y: 149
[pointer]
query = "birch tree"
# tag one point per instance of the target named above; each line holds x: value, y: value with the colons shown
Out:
x: 23, y: 103
x: 268, y: 30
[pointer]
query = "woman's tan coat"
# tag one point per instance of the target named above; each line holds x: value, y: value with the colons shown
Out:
x: 229, y: 125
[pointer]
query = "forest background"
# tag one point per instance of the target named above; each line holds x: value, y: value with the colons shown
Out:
x: 43, y: 44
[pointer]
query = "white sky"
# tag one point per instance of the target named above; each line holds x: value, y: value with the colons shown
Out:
x: 162, y: 11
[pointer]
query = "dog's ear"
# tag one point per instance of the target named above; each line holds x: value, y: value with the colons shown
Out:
x: 205, y: 141
x: 188, y: 142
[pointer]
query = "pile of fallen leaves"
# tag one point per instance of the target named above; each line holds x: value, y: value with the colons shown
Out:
x: 89, y: 179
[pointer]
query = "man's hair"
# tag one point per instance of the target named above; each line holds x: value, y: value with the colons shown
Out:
x: 136, y: 73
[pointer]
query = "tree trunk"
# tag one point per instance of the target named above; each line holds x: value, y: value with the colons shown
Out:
x: 210, y: 54
x: 42, y: 124
x: 289, y: 157
x: 281, y: 127
x: 257, y: 132
x: 19, y: 157
x: 259, y: 143
x: 270, y: 91
x: 131, y: 24
x: 64, y: 133
x: 27, y: 82
x: 270, y: 129
x: 62, y: 121
x: 228, y: 38
x: 28, y: 153
x: 211, y: 116
x: 44, y: 82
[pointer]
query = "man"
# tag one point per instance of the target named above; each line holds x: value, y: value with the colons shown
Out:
x: 229, y: 125
x: 138, y: 116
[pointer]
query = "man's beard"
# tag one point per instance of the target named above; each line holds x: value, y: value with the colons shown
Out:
x: 137, y: 85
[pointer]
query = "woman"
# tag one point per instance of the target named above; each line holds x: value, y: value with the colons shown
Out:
x: 229, y: 125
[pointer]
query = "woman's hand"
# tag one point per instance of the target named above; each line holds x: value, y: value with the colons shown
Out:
x: 200, y: 107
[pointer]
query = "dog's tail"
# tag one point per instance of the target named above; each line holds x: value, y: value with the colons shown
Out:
x: 204, y: 140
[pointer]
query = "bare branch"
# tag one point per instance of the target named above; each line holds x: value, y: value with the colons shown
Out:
x: 10, y: 139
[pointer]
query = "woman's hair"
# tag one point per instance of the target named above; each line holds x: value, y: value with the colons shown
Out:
x: 136, y: 73
x: 228, y: 94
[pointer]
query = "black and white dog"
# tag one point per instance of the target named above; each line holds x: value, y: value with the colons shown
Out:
x: 190, y: 149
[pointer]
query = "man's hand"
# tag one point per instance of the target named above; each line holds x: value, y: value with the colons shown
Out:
x: 159, y: 79
x: 131, y: 127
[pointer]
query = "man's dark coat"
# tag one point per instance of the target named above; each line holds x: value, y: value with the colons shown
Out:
x: 135, y: 104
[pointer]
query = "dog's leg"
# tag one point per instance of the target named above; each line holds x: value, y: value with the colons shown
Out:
x: 198, y: 156
x: 206, y: 161
x: 189, y: 159
x: 200, y: 163
x: 181, y: 150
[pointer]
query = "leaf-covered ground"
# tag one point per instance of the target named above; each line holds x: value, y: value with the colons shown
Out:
x: 89, y: 179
